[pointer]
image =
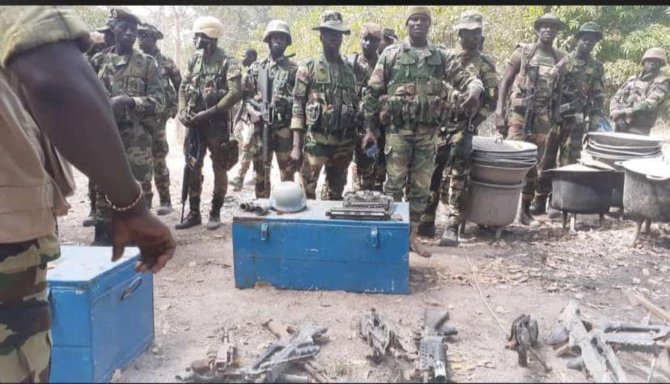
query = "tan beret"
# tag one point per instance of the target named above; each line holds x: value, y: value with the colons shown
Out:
x: 414, y: 9
x: 372, y: 29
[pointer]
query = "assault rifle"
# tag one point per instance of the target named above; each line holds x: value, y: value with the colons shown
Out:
x: 532, y: 75
x: 192, y: 154
x: 432, y: 363
x: 380, y: 336
x: 267, y: 110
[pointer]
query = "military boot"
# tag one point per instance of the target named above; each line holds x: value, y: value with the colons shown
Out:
x: 414, y: 243
x: 193, y: 217
x: 426, y: 229
x: 90, y: 220
x: 525, y: 217
x: 215, y: 214
x: 539, y: 205
x: 165, y: 207
x: 103, y: 234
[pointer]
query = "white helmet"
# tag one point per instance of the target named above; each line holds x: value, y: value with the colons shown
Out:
x: 210, y: 26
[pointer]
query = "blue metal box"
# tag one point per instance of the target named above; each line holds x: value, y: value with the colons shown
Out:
x: 102, y: 313
x: 309, y: 251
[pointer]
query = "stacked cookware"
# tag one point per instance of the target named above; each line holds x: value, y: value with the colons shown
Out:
x: 496, y: 178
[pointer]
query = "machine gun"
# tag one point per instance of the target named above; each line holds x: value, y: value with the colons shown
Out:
x: 267, y: 110
x: 432, y: 363
x: 363, y: 205
x: 529, y: 93
x: 192, y: 154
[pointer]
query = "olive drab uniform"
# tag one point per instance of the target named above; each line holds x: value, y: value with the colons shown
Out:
x: 326, y: 106
x: 407, y: 93
x: 282, y: 73
x: 644, y: 97
x: 528, y: 57
x: 169, y: 74
x: 205, y: 83
x: 135, y: 75
x: 455, y: 141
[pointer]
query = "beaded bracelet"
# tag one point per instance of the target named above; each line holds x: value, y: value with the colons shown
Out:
x: 131, y: 205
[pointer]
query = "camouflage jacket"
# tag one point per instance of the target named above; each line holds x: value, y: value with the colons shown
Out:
x: 169, y: 73
x: 583, y: 84
x: 135, y: 75
x: 642, y: 98
x: 526, y: 57
x: 282, y: 73
x: 483, y: 67
x: 325, y: 101
x: 408, y: 89
x: 362, y: 71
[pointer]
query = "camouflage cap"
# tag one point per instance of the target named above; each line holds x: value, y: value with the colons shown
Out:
x: 590, y: 27
x: 655, y: 53
x: 333, y: 20
x: 470, y: 20
x: 549, y: 18
x: 150, y: 30
x: 372, y: 29
x: 389, y: 33
x: 117, y: 14
x: 414, y: 9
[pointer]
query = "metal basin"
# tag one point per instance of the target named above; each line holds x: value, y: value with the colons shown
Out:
x: 621, y: 139
x: 498, y: 146
x: 617, y: 152
x: 646, y: 191
x: 580, y: 189
x: 635, y: 149
x: 491, y: 204
x: 505, y: 163
x: 498, y: 175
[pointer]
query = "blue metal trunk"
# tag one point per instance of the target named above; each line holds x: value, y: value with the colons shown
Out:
x: 309, y: 251
x: 102, y: 313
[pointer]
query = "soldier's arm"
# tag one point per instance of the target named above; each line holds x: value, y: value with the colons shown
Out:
x: 154, y: 101
x: 512, y: 68
x: 373, y: 92
x: 459, y: 76
x: 300, y: 90
x: 490, y: 80
x: 234, y: 78
x: 249, y: 85
x: 182, y: 86
x: 617, y: 101
x: 656, y: 97
x: 174, y: 75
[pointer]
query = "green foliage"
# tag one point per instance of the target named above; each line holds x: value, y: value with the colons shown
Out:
x: 93, y: 16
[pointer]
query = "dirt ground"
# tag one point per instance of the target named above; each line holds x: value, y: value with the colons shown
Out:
x: 530, y: 271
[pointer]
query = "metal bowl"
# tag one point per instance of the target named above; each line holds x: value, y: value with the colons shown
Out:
x: 621, y: 139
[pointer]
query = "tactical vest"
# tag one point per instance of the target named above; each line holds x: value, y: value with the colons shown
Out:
x: 581, y: 83
x: 282, y: 88
x: 207, y: 83
x: 332, y: 108
x: 547, y: 76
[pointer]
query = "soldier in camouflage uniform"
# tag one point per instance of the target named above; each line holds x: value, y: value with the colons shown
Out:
x: 390, y: 38
x: 636, y: 105
x: 282, y: 71
x: 407, y: 93
x: 455, y: 145
x: 170, y: 78
x: 325, y: 111
x: 582, y: 82
x: 212, y: 86
x: 133, y: 84
x: 541, y: 58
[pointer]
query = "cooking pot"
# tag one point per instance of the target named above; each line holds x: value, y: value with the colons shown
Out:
x: 499, y: 146
x: 580, y: 189
x: 498, y: 175
x: 526, y: 164
x: 620, y: 139
x: 642, y: 151
x: 646, y: 191
x: 492, y: 204
x: 636, y: 149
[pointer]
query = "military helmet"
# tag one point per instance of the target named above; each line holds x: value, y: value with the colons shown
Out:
x: 590, y: 27
x: 655, y: 53
x: 550, y: 18
x: 210, y: 26
x: 288, y: 197
x: 277, y: 26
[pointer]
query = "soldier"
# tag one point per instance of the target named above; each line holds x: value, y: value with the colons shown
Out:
x: 282, y: 71
x: 133, y: 84
x: 325, y: 111
x: 212, y: 86
x: 365, y: 167
x: 636, y: 105
x: 390, y: 38
x: 531, y: 72
x: 407, y: 94
x: 48, y: 90
x: 582, y: 82
x: 244, y: 130
x: 170, y: 78
x: 455, y: 146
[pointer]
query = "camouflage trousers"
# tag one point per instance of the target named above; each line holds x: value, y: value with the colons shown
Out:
x: 454, y: 157
x: 244, y: 134
x: 564, y: 143
x: 25, y: 317
x: 413, y: 156
x: 159, y: 151
x: 217, y: 153
x: 280, y: 143
x: 370, y: 171
x: 335, y: 159
x: 539, y: 130
x: 138, y: 144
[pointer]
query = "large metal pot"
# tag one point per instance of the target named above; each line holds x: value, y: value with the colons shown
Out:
x: 502, y: 148
x: 526, y: 164
x: 580, y: 189
x: 646, y: 191
x: 621, y: 139
x: 491, y: 204
x: 498, y: 175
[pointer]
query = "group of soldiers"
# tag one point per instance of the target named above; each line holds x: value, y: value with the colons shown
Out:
x: 404, y: 111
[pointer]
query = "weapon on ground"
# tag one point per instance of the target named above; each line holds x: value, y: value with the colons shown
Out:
x: 363, y: 205
x: 522, y: 339
x: 432, y: 347
x: 267, y: 109
x: 379, y: 335
x: 529, y: 98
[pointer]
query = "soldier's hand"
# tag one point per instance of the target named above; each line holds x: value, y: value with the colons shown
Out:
x: 202, y: 117
x: 185, y: 118
x: 616, y: 114
x: 472, y: 104
x: 500, y: 122
x: 368, y: 138
x: 151, y: 236
x: 296, y: 156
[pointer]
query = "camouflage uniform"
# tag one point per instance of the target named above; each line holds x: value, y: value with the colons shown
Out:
x: 283, y: 74
x: 137, y: 76
x: 526, y: 56
x: 455, y: 146
x: 408, y: 94
x: 326, y: 107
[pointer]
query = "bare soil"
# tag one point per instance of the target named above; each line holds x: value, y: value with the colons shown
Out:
x: 531, y: 271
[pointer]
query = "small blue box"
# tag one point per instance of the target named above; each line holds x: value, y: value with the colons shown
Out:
x: 102, y: 313
x: 309, y: 251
